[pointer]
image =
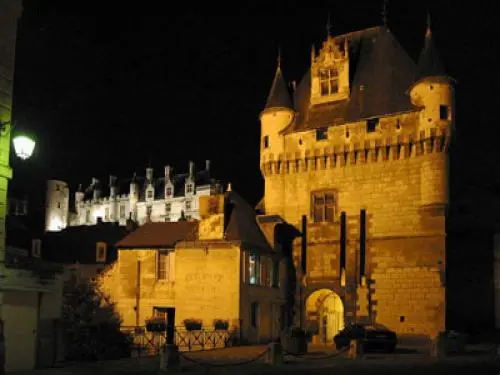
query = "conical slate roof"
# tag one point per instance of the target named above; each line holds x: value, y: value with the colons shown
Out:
x: 279, y: 96
x: 429, y: 64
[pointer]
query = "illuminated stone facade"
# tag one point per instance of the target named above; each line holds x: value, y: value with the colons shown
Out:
x: 368, y: 129
x: 149, y: 198
x: 218, y: 268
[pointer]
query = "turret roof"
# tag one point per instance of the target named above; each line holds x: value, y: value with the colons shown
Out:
x: 429, y: 63
x: 279, y: 96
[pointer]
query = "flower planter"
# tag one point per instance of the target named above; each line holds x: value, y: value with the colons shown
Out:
x: 193, y: 325
x: 156, y: 325
x: 221, y: 325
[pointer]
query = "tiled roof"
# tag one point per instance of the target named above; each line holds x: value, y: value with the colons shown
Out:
x: 380, y: 74
x: 279, y: 95
x: 159, y: 235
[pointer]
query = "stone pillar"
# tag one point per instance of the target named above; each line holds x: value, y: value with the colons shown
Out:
x: 274, y: 354
x: 355, y: 349
x: 170, y: 360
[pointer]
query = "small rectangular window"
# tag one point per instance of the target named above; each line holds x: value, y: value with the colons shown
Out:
x: 265, y: 141
x: 254, y: 314
x: 254, y: 269
x: 188, y: 205
x: 371, y: 125
x: 321, y: 134
x: 150, y: 194
x: 443, y: 112
x: 168, y: 207
x: 149, y: 210
x: 122, y: 211
x: 323, y: 207
x: 162, y: 265
x: 189, y: 188
x: 169, y: 191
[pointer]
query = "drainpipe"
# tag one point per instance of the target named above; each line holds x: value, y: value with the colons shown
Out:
x: 138, y: 293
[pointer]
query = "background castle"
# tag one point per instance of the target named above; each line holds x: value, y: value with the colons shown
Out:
x: 167, y: 198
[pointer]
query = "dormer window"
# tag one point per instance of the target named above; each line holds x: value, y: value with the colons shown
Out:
x: 329, y: 81
x: 188, y: 205
x: 189, y: 188
x: 149, y: 194
x: 169, y: 191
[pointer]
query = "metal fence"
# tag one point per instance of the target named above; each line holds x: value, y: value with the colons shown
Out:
x: 150, y: 343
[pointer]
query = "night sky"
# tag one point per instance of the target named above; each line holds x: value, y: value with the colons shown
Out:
x: 111, y: 88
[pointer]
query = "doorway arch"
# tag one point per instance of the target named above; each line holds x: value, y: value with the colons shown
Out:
x: 325, y: 315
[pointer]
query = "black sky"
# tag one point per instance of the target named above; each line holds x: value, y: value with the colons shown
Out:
x: 108, y: 88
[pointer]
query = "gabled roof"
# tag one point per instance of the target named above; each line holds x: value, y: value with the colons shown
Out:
x: 159, y: 235
x: 380, y: 73
x: 279, y: 95
x: 429, y: 63
x: 242, y: 224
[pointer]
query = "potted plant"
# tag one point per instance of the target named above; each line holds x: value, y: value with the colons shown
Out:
x: 192, y: 324
x: 156, y: 324
x: 221, y: 325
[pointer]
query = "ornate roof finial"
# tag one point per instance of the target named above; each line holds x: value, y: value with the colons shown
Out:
x: 279, y: 57
x: 384, y: 13
x: 328, y: 26
x: 428, y: 32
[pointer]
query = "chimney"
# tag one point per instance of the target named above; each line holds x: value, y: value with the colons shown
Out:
x: 149, y: 174
x: 191, y: 169
x: 207, y: 165
x: 112, y: 180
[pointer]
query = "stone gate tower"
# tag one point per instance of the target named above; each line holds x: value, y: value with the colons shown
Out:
x: 362, y: 141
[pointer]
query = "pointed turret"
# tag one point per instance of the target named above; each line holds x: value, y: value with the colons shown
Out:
x: 279, y: 96
x: 429, y: 63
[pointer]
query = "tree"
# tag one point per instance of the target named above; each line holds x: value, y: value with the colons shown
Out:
x: 91, y: 325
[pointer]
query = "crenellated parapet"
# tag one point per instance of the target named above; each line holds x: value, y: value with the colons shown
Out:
x: 392, y: 148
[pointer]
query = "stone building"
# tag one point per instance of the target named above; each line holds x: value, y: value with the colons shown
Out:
x: 30, y: 289
x: 165, y: 198
x: 362, y: 140
x: 218, y: 268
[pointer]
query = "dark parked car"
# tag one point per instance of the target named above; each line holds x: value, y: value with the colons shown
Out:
x: 375, y: 337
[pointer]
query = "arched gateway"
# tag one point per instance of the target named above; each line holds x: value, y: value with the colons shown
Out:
x: 325, y: 315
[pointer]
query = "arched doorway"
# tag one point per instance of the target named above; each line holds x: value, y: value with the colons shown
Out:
x: 325, y: 315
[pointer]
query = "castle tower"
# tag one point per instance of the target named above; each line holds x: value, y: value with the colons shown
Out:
x: 433, y: 92
x: 113, y: 192
x: 56, y: 206
x: 79, y: 196
x: 276, y: 116
x: 134, y: 197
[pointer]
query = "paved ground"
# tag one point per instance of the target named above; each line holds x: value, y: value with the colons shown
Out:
x: 319, y: 361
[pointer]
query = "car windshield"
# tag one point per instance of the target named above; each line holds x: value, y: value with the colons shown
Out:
x: 377, y: 326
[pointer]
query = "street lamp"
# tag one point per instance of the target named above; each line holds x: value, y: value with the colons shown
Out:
x: 23, y: 144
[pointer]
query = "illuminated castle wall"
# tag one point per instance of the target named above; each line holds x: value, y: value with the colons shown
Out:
x: 366, y: 128
x: 165, y: 198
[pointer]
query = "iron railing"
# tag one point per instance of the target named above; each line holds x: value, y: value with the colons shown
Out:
x: 151, y: 343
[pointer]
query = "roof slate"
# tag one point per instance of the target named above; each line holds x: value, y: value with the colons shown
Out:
x: 279, y: 95
x: 380, y: 73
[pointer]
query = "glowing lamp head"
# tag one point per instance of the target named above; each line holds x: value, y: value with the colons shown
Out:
x: 23, y: 146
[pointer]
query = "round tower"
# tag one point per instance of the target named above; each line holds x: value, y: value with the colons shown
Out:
x: 433, y: 93
x: 56, y: 206
x: 276, y: 116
